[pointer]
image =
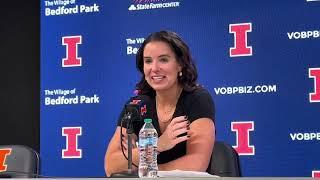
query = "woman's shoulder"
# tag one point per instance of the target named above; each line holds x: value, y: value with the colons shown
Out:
x: 198, y: 92
x: 198, y: 104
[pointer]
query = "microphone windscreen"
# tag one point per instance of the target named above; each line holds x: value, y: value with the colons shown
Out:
x: 138, y: 107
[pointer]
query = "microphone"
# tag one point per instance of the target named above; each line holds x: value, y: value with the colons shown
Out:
x: 137, y: 109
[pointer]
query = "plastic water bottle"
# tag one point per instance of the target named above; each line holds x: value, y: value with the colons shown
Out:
x: 148, y: 140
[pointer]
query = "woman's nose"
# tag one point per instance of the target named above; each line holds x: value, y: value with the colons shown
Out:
x: 155, y: 66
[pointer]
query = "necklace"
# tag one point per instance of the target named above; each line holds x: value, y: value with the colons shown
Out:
x: 165, y: 113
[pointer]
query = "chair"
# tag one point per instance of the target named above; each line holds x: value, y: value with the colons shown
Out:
x: 224, y: 161
x: 18, y: 161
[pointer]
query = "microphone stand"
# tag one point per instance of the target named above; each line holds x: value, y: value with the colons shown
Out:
x: 129, y: 173
x: 130, y: 132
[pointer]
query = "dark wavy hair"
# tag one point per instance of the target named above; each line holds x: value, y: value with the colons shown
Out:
x: 183, y: 56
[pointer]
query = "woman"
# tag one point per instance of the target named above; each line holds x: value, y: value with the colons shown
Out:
x: 183, y: 112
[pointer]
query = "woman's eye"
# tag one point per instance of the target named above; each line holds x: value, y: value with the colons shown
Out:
x: 164, y: 60
x: 147, y: 61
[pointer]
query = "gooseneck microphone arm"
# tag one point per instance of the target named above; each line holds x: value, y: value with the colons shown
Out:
x: 129, y: 173
x: 134, y: 111
x: 129, y: 133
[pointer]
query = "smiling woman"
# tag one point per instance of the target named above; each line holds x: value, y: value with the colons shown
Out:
x: 182, y: 111
x: 161, y: 68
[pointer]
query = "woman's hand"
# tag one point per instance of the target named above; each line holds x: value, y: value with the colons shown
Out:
x: 172, y: 135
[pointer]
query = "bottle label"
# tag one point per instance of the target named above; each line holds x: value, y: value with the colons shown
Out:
x: 148, y: 141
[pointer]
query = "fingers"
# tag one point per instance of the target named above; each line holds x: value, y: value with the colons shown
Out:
x: 179, y: 122
x: 177, y: 131
x: 180, y: 131
x: 179, y: 119
x: 181, y: 139
x: 181, y: 125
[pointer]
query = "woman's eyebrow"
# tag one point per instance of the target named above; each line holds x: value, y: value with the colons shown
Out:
x: 164, y: 55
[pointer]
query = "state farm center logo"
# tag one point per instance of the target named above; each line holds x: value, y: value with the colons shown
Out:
x: 152, y: 4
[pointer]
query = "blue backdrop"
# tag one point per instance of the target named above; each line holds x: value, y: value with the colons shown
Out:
x: 263, y: 103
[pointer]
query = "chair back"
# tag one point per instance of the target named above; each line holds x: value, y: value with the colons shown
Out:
x: 18, y: 161
x: 224, y: 161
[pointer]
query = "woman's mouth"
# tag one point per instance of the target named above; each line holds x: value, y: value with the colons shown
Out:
x: 157, y: 78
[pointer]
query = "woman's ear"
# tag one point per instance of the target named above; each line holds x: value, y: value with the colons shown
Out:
x: 179, y: 68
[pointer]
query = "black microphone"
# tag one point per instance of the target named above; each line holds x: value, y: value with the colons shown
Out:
x: 135, y: 111
x: 137, y: 108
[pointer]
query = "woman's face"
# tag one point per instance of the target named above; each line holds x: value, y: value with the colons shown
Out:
x: 160, y: 66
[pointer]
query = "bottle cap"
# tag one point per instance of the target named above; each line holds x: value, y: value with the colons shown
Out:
x: 147, y: 120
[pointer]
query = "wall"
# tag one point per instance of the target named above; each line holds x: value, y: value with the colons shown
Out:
x: 258, y: 59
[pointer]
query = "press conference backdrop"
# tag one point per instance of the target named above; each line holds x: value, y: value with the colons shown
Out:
x: 258, y: 59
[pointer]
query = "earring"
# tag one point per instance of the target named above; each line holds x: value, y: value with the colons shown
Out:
x: 180, y: 73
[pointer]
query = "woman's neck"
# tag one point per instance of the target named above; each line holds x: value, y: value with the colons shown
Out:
x: 165, y: 98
